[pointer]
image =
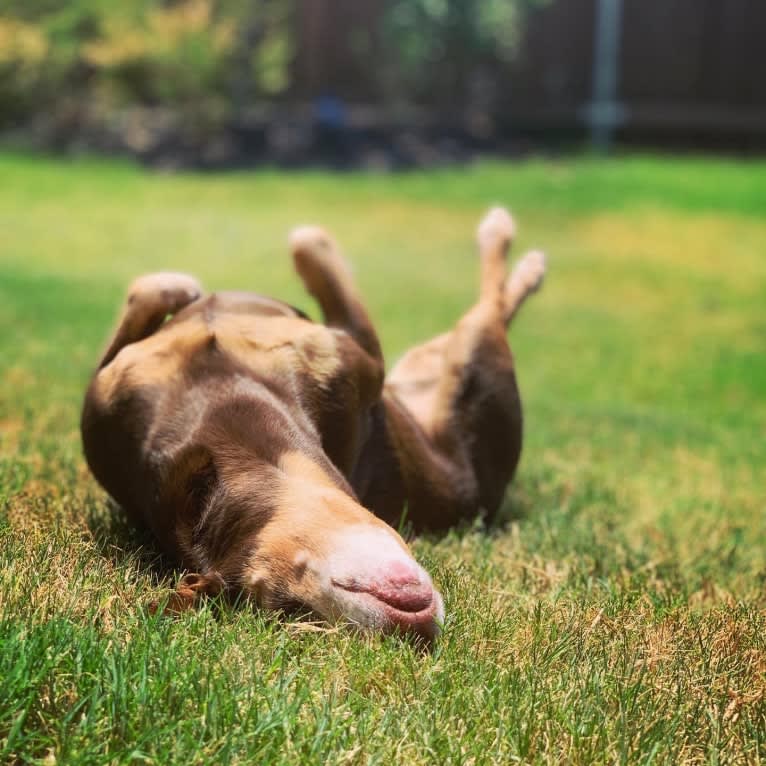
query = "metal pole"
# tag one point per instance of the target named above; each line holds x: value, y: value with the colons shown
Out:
x: 605, y: 113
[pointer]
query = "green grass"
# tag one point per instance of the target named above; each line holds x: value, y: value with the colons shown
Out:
x: 616, y: 610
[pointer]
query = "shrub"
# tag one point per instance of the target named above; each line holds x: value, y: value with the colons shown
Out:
x: 146, y: 52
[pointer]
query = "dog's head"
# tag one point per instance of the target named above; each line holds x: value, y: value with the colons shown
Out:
x: 322, y: 549
x: 285, y: 533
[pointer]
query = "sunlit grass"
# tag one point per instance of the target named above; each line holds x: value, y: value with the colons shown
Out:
x: 615, y: 610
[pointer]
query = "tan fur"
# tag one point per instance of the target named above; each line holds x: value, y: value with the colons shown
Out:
x: 279, y: 344
x: 302, y: 469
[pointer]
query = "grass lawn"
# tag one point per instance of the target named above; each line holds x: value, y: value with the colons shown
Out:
x: 615, y: 612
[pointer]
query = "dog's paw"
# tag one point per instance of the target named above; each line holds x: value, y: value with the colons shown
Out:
x: 172, y: 290
x: 497, y: 227
x: 310, y: 238
x: 317, y: 257
x: 529, y: 272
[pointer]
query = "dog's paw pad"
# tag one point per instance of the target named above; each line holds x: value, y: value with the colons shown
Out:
x: 316, y: 256
x: 309, y: 238
x: 497, y: 225
x: 173, y: 289
x: 530, y: 270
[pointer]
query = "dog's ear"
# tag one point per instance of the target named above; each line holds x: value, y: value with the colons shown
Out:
x: 200, y: 479
x: 187, y: 491
x: 189, y: 483
x: 190, y: 590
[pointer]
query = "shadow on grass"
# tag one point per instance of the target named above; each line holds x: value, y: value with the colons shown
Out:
x: 126, y: 545
x: 517, y: 506
x: 123, y: 543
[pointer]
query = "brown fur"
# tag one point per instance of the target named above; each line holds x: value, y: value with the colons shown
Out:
x: 240, y: 432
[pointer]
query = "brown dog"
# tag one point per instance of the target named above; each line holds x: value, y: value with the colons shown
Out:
x: 266, y: 454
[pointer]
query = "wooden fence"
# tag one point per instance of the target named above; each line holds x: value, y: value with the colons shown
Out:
x: 687, y: 71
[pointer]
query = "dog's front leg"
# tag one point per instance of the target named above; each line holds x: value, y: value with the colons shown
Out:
x: 151, y: 298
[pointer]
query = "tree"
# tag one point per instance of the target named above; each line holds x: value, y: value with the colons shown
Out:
x: 437, y: 47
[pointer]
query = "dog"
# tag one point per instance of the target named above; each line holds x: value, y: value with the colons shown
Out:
x: 270, y: 456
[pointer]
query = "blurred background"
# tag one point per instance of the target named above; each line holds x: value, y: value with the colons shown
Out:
x: 378, y: 83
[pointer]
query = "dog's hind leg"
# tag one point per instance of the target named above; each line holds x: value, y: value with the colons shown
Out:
x: 429, y: 377
x: 525, y: 279
x: 461, y: 386
x: 326, y: 275
x: 151, y: 299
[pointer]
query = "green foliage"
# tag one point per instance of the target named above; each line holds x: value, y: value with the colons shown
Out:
x: 439, y: 45
x: 210, y: 57
x: 197, y: 53
x: 615, y: 612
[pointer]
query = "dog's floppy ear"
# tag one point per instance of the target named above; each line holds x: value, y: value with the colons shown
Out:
x: 199, y: 480
x: 189, y: 483
x: 187, y: 487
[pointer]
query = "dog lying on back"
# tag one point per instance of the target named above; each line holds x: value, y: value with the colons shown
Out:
x: 267, y: 453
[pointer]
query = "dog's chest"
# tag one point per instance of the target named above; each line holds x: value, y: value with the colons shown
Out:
x: 289, y: 368
x: 269, y: 348
x: 279, y: 346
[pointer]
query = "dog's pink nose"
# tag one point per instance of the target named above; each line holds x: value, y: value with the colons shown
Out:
x: 412, y: 597
x: 401, y: 586
x: 377, y: 584
x: 402, y: 572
